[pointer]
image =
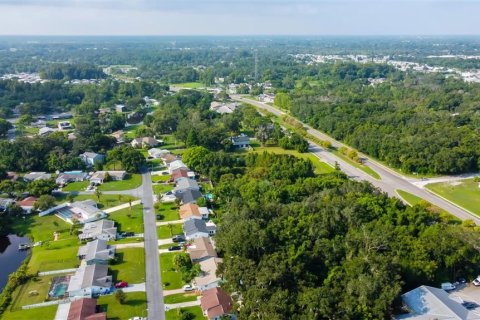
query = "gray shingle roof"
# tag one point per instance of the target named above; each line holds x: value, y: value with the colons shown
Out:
x: 192, y: 226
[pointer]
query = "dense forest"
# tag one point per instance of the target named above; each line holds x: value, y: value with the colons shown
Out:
x: 422, y: 123
x: 299, y: 246
x: 70, y: 71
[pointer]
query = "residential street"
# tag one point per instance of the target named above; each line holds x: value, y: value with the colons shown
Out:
x: 390, y: 180
x: 156, y: 309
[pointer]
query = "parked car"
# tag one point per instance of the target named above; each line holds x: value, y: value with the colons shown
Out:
x: 127, y: 234
x: 469, y: 305
x: 447, y: 286
x: 121, y: 284
x: 178, y: 238
x: 461, y: 280
x: 476, y: 282
x: 174, y: 248
x: 159, y: 217
x: 188, y: 287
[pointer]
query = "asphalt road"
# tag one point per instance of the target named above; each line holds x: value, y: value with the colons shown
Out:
x: 390, y: 180
x: 156, y: 309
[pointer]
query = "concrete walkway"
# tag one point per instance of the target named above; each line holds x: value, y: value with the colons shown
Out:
x: 47, y: 273
x: 166, y: 223
x: 182, y: 305
x: 138, y: 287
x: 140, y: 244
x: 174, y: 291
x: 122, y: 206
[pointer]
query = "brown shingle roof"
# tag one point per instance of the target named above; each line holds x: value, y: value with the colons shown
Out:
x: 201, y: 248
x: 216, y: 302
x: 179, y: 173
x: 85, y: 309
x: 27, y: 202
x: 189, y: 210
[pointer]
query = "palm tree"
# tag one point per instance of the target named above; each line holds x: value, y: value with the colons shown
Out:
x: 98, y: 194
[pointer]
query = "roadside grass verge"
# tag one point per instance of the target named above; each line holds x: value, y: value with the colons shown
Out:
x: 464, y: 193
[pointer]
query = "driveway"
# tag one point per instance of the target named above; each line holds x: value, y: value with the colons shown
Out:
x: 137, y: 287
x: 183, y: 304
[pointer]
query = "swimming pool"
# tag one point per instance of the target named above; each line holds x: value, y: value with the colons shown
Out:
x: 58, y: 290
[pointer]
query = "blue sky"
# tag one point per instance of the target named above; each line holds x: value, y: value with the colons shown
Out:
x: 236, y: 17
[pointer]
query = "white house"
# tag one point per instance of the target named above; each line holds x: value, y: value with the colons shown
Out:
x: 90, y: 280
x: 90, y: 158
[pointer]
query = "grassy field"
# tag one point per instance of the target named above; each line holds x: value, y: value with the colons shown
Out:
x: 169, y: 211
x: 176, y: 314
x: 180, y: 297
x: 189, y: 85
x: 162, y: 188
x: 320, y: 166
x: 160, y: 178
x: 31, y: 314
x: 168, y: 231
x: 465, y: 193
x: 171, y: 278
x: 135, y: 306
x: 132, y: 181
x: 131, y: 265
x: 76, y: 186
x: 129, y: 220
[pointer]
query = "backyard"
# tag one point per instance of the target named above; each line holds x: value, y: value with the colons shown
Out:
x: 465, y: 193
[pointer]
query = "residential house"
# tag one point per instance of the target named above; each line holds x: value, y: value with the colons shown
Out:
x: 267, y: 97
x: 215, y: 303
x: 120, y: 108
x: 89, y: 281
x: 201, y: 249
x: 32, y: 176
x: 169, y: 158
x: 189, y: 211
x: 223, y: 108
x: 176, y: 164
x: 99, y: 176
x: 12, y: 176
x: 70, y: 176
x: 119, y: 135
x: 427, y: 302
x: 144, y: 142
x: 71, y: 136
x: 85, y: 309
x: 208, y: 278
x: 181, y: 173
x: 81, y: 211
x: 157, y: 153
x: 96, y: 252
x: 241, y: 141
x: 189, y: 196
x: 100, y: 229
x: 195, y: 228
x: 168, y: 197
x: 184, y: 184
x: 5, y: 203
x: 193, y: 211
x: 90, y: 158
x: 64, y: 125
x: 27, y: 204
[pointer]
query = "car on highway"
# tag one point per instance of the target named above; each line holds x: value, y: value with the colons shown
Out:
x: 121, y: 284
x: 188, y: 287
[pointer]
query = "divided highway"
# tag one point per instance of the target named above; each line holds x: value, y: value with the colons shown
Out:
x: 390, y: 180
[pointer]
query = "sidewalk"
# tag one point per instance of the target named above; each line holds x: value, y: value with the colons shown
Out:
x: 166, y: 223
x: 122, y: 206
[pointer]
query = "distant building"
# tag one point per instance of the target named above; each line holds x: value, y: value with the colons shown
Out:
x: 32, y: 176
x: 144, y: 142
x: 120, y: 108
x: 99, y: 176
x: 119, y: 135
x: 157, y: 153
x: 27, y: 204
x: 64, y: 125
x: 90, y: 158
x: 241, y: 141
x: 71, y: 176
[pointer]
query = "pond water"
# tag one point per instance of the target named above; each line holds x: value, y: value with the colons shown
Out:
x: 10, y: 257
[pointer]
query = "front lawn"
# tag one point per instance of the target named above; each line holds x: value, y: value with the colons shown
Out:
x: 76, y: 186
x: 135, y: 306
x: 128, y: 220
x: 168, y: 231
x: 465, y: 193
x: 131, y: 181
x: 160, y: 178
x: 169, y: 211
x: 176, y: 314
x: 171, y: 278
x: 161, y: 188
x: 130, y: 265
x: 180, y: 297
x: 104, y: 202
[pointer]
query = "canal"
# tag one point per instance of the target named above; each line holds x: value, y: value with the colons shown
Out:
x: 10, y: 257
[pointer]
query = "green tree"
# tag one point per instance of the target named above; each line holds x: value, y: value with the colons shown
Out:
x: 4, y: 127
x: 44, y: 202
x: 120, y: 296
